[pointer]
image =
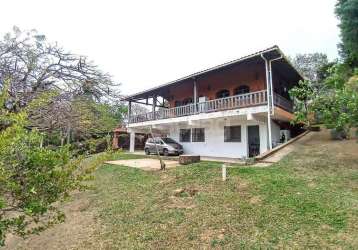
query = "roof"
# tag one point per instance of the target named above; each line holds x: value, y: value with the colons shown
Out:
x: 272, y: 50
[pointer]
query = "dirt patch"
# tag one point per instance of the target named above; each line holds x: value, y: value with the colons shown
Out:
x: 181, y: 202
x: 78, y: 228
x: 211, y: 234
x: 183, y: 192
x: 255, y: 200
x: 145, y: 164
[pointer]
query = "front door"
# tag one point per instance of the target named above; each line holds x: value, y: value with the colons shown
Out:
x: 253, y: 138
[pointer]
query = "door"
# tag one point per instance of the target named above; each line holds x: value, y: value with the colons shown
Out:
x: 253, y: 140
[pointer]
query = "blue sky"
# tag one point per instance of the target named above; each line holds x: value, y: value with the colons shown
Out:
x: 146, y: 43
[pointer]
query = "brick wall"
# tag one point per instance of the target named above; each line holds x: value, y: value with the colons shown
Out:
x: 252, y: 75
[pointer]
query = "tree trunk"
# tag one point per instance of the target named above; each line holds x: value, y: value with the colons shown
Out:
x: 162, y: 164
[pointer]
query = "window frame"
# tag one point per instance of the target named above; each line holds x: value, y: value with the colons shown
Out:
x: 219, y: 94
x: 180, y: 135
x: 229, y: 137
x: 194, y: 135
x: 239, y: 90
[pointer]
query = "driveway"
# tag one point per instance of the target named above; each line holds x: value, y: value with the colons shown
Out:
x: 147, y: 164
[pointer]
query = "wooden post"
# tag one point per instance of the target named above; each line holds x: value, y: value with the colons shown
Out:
x: 154, y: 105
x: 129, y: 111
x: 224, y: 172
x: 195, y: 95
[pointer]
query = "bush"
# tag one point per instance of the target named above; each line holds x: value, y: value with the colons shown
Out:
x: 339, y: 134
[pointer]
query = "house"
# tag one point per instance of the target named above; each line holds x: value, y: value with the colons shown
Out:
x: 237, y: 109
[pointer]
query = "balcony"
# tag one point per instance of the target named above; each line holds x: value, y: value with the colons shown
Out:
x: 232, y: 102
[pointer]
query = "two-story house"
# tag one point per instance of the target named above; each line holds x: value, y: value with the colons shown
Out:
x: 235, y: 110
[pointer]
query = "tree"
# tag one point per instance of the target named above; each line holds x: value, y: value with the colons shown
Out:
x: 73, y: 96
x: 310, y: 65
x: 347, y: 13
x: 33, y: 178
x: 339, y: 105
x: 303, y: 96
x: 35, y: 65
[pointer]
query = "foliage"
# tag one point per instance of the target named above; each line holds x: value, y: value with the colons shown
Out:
x: 32, y: 178
x: 339, y: 106
x: 35, y: 65
x: 310, y: 65
x: 302, y: 96
x: 73, y: 98
x: 347, y: 13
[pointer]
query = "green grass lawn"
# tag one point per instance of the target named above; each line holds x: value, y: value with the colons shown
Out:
x: 308, y: 200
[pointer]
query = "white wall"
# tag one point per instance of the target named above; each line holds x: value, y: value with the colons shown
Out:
x: 214, y: 144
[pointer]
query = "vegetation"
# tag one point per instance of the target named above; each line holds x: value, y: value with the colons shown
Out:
x: 335, y: 101
x: 308, y: 200
x: 347, y: 13
x: 75, y: 101
x: 47, y: 96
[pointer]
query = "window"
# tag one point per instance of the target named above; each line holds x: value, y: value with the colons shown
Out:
x: 168, y: 140
x: 243, y: 89
x: 185, y: 135
x: 232, y: 134
x: 223, y: 93
x: 187, y: 101
x: 198, y: 135
x: 158, y: 141
x: 177, y: 103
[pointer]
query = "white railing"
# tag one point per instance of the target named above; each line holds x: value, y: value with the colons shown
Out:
x: 231, y: 102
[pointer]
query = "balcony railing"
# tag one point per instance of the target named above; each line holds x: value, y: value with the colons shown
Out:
x: 227, y: 103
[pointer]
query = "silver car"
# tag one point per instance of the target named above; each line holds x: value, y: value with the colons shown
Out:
x: 165, y: 145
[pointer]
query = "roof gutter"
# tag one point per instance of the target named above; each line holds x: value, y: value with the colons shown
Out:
x: 270, y: 99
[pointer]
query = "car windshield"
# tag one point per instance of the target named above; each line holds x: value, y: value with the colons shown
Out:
x: 168, y: 140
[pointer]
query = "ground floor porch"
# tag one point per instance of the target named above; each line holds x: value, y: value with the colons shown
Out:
x: 235, y: 137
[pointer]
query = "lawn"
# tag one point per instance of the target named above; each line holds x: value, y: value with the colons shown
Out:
x: 308, y: 200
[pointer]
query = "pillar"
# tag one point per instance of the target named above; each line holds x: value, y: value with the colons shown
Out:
x: 195, y: 95
x: 131, y: 141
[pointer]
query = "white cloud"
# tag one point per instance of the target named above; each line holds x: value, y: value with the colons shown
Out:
x: 146, y: 43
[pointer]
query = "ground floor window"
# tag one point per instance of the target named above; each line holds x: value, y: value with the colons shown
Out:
x: 232, y: 134
x: 185, y: 135
x: 198, y: 135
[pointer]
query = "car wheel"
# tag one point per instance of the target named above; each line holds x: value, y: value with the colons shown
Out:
x: 165, y: 152
x: 147, y: 151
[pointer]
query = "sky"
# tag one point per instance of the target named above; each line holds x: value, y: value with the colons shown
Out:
x: 146, y: 43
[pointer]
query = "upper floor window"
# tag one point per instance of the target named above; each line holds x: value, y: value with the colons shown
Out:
x: 187, y: 101
x: 243, y: 89
x: 223, y: 93
x: 177, y: 103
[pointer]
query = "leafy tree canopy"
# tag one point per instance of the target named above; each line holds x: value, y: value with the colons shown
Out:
x: 347, y: 13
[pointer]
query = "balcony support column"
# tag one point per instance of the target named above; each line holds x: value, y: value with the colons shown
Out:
x: 195, y: 95
x: 129, y: 111
x: 131, y: 141
x: 154, y: 104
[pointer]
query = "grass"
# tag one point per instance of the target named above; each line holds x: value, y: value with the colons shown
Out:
x: 308, y: 200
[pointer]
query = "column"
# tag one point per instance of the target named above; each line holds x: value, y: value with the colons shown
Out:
x: 153, y: 106
x: 195, y: 95
x: 131, y: 141
x: 129, y: 111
